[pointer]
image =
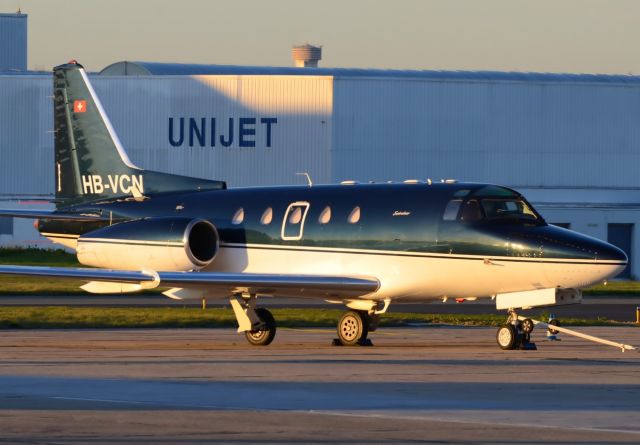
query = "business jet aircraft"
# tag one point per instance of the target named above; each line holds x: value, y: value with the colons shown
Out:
x: 364, y: 246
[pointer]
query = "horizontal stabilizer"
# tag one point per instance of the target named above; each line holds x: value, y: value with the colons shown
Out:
x: 48, y: 214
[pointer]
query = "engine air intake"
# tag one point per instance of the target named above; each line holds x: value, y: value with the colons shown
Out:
x: 202, y: 241
x: 159, y: 244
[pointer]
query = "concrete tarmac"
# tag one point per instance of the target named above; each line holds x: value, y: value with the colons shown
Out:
x: 417, y: 385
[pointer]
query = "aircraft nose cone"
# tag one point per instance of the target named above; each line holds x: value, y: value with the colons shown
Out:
x: 609, y: 252
x: 584, y: 260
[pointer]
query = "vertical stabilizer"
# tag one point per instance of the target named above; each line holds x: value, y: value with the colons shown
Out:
x: 90, y: 161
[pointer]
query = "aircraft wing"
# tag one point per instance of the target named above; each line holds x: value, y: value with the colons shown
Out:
x: 49, y: 214
x: 218, y: 283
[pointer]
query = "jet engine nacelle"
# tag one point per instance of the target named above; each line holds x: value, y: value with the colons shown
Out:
x: 158, y: 244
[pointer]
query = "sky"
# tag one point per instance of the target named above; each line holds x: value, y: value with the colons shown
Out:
x: 577, y: 36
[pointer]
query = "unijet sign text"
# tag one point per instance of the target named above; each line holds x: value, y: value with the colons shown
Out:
x: 215, y: 132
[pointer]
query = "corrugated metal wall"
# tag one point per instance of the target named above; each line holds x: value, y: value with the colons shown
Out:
x: 13, y: 42
x: 286, y: 123
x: 520, y: 134
x: 26, y: 138
x: 523, y: 134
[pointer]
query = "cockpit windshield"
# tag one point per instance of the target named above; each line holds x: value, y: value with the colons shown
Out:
x: 511, y: 209
x: 507, y: 208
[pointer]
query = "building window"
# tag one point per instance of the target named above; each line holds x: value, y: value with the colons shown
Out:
x: 267, y: 217
x: 6, y: 226
x: 354, y: 216
x: 325, y: 216
x: 238, y: 217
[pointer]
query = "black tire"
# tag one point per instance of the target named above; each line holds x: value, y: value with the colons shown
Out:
x: 265, y: 335
x: 353, y: 328
x: 554, y: 322
x: 527, y: 325
x: 506, y: 337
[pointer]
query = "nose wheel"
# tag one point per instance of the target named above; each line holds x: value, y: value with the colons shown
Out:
x: 515, y: 333
x: 506, y: 337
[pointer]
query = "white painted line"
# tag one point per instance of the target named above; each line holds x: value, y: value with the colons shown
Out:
x: 467, y: 421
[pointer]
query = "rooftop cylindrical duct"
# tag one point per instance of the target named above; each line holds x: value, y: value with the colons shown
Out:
x: 306, y: 56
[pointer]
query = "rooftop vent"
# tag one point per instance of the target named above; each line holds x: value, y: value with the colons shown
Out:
x: 306, y: 56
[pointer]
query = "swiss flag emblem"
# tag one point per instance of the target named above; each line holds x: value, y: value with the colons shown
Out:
x: 79, y: 106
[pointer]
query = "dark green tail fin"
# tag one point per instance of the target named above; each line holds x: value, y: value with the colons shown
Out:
x: 91, y: 163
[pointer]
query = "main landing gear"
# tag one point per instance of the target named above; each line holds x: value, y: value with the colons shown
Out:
x: 353, y: 328
x: 258, y: 324
x: 515, y: 333
x: 265, y: 332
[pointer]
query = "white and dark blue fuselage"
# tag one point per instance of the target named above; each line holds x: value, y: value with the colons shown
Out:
x: 420, y: 241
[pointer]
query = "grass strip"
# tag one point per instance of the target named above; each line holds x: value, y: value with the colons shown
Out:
x: 50, y: 317
x: 37, y: 257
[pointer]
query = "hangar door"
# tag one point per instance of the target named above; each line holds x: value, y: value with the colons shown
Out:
x: 620, y: 235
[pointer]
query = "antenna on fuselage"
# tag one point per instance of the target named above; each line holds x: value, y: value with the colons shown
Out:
x: 309, y: 181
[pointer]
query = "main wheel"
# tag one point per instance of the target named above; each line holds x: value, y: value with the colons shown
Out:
x: 527, y: 325
x: 353, y: 327
x: 506, y: 336
x: 266, y: 334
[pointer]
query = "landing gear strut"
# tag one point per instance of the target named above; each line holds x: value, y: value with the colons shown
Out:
x: 515, y: 333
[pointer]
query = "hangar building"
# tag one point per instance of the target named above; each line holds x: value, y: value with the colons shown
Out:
x: 569, y: 142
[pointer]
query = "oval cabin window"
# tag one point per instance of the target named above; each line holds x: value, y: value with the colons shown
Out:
x: 296, y: 216
x: 267, y: 217
x: 354, y: 216
x: 325, y: 216
x: 238, y: 217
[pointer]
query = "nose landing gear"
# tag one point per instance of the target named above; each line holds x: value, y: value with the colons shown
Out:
x: 515, y: 333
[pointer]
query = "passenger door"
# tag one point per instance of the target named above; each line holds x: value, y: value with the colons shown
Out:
x: 293, y: 222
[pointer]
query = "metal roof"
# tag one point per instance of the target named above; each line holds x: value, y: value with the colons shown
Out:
x: 134, y: 68
x: 15, y: 72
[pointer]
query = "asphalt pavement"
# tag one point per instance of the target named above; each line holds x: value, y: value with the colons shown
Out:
x: 427, y: 385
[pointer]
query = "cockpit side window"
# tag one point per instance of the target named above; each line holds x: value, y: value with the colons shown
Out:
x: 471, y: 211
x: 451, y: 210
